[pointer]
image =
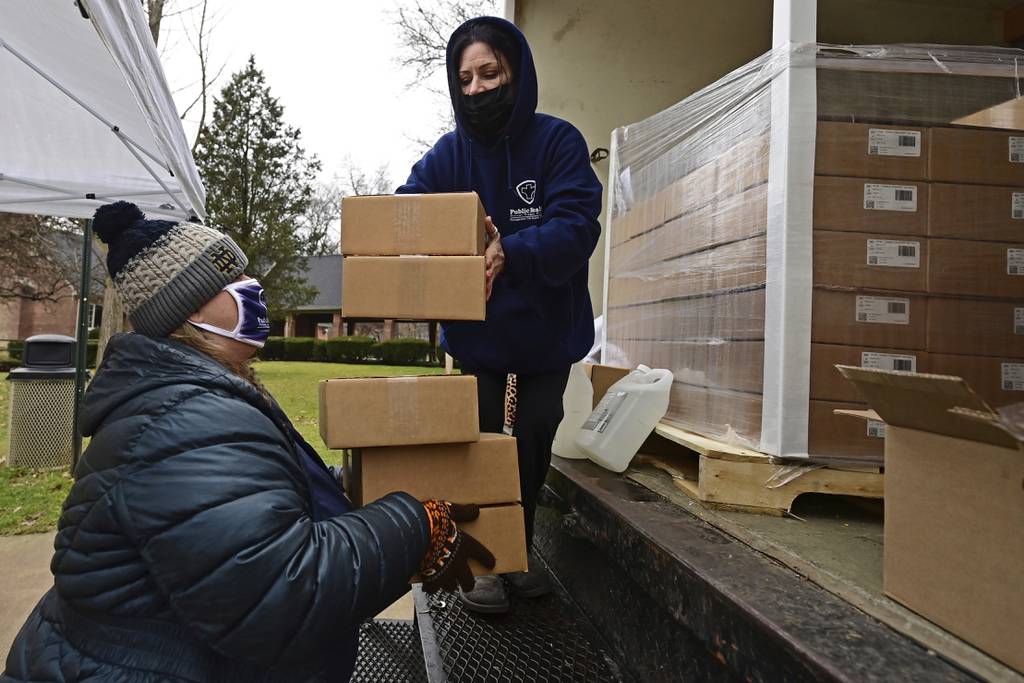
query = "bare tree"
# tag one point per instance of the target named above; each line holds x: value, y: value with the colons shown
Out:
x: 39, y: 257
x: 321, y: 222
x: 358, y: 182
x: 423, y: 30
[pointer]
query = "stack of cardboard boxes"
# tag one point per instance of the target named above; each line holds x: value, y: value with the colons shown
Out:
x: 916, y: 258
x: 421, y: 257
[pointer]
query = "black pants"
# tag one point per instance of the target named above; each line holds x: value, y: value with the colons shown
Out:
x: 539, y: 410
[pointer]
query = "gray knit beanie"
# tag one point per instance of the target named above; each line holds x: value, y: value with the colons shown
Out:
x: 164, y: 271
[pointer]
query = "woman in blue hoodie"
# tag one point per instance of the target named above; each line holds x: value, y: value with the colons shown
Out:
x: 533, y: 174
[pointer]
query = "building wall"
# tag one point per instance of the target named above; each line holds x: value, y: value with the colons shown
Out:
x: 47, y: 317
x: 602, y: 64
x: 10, y: 317
x: 961, y: 22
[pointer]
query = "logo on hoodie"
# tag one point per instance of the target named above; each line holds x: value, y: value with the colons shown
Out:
x: 527, y: 190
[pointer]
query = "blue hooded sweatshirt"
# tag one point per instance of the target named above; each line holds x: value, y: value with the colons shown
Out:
x: 537, y: 185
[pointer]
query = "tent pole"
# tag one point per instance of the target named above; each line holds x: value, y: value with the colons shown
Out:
x: 83, y: 338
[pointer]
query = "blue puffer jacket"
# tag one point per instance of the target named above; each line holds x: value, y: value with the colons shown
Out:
x: 187, y: 548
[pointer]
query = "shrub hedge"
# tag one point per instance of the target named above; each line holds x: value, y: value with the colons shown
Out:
x: 354, y: 349
x: 404, y: 351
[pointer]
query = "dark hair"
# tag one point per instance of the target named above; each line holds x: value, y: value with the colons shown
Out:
x: 479, y: 31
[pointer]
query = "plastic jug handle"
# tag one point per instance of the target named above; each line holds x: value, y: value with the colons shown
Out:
x: 663, y: 376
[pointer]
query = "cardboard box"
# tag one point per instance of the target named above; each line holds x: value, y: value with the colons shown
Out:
x: 414, y: 287
x: 890, y: 320
x: 970, y: 268
x: 730, y: 266
x: 836, y: 436
x: 743, y: 165
x: 867, y: 150
x: 716, y: 413
x: 976, y: 327
x: 980, y: 157
x: 501, y: 530
x: 954, y: 508
x: 976, y: 212
x: 998, y: 381
x: 484, y: 472
x: 602, y: 377
x: 828, y: 385
x: 732, y: 315
x: 870, y: 261
x: 392, y: 225
x: 736, y: 365
x: 871, y: 205
x: 360, y: 412
x: 740, y: 216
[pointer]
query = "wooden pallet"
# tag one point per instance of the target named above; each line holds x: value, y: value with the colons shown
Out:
x: 721, y: 475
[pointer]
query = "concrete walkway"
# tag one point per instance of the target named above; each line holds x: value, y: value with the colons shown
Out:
x: 25, y: 568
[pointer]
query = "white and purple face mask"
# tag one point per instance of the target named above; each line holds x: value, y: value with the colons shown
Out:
x: 253, y: 326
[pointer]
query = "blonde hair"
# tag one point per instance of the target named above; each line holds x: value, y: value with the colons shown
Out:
x: 201, y: 341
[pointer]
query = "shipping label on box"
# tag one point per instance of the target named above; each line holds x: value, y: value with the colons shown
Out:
x: 1016, y: 144
x: 894, y: 143
x: 1015, y: 261
x: 883, y: 309
x: 894, y: 253
x: 1018, y: 320
x: 876, y: 429
x: 879, y: 197
x: 1013, y: 376
x: 1017, y: 206
x: 888, y: 361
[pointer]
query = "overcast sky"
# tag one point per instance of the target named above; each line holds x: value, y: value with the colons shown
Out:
x: 331, y: 65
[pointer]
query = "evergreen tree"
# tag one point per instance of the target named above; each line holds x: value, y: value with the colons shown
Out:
x: 259, y: 184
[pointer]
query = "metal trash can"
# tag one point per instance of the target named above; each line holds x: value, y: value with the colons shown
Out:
x: 43, y: 403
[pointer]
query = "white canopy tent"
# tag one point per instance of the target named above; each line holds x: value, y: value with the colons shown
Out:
x: 86, y: 118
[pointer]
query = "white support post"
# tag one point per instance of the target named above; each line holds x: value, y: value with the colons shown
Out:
x: 612, y: 185
x: 787, y: 347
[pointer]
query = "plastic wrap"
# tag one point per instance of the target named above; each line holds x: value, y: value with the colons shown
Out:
x: 781, y: 213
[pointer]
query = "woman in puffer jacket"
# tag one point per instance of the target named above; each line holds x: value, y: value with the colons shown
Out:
x: 204, y: 539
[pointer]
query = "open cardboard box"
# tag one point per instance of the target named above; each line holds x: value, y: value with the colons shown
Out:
x: 954, y: 505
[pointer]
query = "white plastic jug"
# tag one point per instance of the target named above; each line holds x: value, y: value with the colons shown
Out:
x: 577, y: 402
x: 625, y: 417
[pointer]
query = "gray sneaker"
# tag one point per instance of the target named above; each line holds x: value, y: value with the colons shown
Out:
x: 530, y: 584
x: 487, y: 597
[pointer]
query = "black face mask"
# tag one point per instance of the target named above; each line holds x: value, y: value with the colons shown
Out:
x: 487, y: 113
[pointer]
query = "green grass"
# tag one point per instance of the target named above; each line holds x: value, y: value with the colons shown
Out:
x: 5, y: 397
x: 30, y: 500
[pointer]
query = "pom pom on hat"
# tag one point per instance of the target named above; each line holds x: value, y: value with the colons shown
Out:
x: 164, y: 270
x: 111, y: 220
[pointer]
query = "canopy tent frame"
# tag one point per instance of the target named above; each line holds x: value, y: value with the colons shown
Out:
x: 134, y: 147
x: 124, y: 43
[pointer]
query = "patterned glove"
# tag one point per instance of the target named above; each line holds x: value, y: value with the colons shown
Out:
x: 446, y: 564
